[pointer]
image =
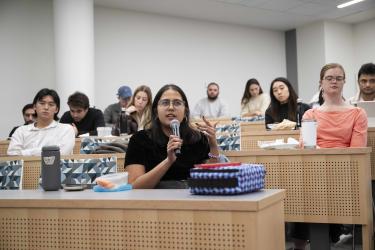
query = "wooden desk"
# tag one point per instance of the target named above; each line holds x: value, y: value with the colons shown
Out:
x: 4, y: 147
x: 31, y: 166
x: 249, y: 140
x: 371, y: 143
x: 252, y: 126
x: 323, y: 185
x: 141, y: 219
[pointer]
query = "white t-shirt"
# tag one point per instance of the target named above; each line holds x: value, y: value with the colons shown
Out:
x: 354, y: 99
x: 258, y: 103
x: 210, y: 109
x: 28, y: 140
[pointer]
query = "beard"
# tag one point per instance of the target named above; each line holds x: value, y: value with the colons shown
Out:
x: 212, y: 98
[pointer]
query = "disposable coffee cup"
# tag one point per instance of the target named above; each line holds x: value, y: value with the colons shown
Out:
x: 101, y: 131
x: 308, y: 132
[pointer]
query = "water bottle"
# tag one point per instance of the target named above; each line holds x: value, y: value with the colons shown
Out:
x: 51, y: 171
x: 122, y: 122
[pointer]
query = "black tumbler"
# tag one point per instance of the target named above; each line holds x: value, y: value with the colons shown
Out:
x: 51, y: 171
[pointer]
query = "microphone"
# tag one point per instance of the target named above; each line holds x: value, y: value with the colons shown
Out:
x: 175, y: 126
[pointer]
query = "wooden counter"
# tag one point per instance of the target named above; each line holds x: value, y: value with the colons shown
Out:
x: 141, y: 219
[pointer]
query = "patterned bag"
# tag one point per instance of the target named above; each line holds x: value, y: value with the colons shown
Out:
x: 226, y: 178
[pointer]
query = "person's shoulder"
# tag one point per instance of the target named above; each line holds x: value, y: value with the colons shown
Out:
x: 202, y: 100
x: 264, y: 96
x: 305, y: 106
x: 112, y: 106
x: 95, y: 111
x: 24, y: 128
x: 66, y: 117
x: 311, y: 111
x: 359, y: 111
x: 141, y: 135
x: 63, y: 126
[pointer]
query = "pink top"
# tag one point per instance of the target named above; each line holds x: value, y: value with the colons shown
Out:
x: 340, y: 129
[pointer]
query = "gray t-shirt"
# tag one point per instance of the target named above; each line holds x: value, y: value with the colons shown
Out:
x: 210, y: 109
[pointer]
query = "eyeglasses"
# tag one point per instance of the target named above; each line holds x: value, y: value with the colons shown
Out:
x: 166, y: 103
x: 337, y: 78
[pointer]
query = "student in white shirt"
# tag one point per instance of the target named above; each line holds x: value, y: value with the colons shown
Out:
x: 46, y: 131
x: 366, y: 84
x: 254, y: 102
x: 212, y: 106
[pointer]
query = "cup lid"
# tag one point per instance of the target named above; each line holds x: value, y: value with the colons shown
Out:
x: 51, y: 148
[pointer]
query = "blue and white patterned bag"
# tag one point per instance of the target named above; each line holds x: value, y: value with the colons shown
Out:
x: 226, y: 178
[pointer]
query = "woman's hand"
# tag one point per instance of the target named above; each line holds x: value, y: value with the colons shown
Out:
x: 174, y: 143
x: 209, y: 130
x: 131, y: 109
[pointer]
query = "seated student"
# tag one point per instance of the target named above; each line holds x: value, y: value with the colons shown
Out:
x: 284, y: 103
x: 112, y: 112
x: 139, y: 107
x: 366, y: 84
x: 254, y: 102
x: 151, y: 159
x: 211, y: 106
x: 340, y: 125
x: 83, y: 118
x: 28, y: 113
x: 46, y: 131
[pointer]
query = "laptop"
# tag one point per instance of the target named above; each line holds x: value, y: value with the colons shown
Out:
x: 369, y: 107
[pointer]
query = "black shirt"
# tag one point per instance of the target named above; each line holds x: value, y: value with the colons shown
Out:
x: 283, y: 113
x: 93, y: 119
x: 144, y: 151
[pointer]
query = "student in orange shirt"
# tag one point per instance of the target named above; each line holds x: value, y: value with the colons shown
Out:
x: 340, y: 125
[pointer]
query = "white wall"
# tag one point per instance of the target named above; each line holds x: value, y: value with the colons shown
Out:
x: 364, y: 44
x: 27, y: 56
x: 135, y: 48
x: 339, y: 49
x: 310, y: 58
x: 326, y: 42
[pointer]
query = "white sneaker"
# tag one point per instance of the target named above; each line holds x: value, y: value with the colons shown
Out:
x: 342, y: 239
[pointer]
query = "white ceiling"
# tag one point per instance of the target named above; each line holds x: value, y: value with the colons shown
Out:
x: 269, y: 14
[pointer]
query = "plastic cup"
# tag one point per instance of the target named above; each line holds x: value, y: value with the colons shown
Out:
x: 308, y: 132
x: 101, y: 131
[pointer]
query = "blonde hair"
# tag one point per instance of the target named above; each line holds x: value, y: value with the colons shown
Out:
x: 147, y: 110
x: 330, y: 66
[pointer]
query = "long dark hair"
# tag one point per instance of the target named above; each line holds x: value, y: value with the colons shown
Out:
x: 187, y: 133
x: 292, y: 101
x: 246, y: 94
x: 56, y: 99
